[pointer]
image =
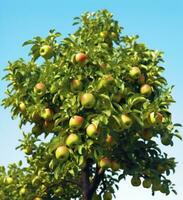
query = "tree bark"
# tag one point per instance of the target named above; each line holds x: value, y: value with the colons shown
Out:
x: 88, y: 187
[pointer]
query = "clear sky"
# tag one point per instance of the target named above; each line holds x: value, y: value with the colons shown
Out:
x: 159, y: 23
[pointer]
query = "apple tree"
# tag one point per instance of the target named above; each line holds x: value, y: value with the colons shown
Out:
x: 98, y: 110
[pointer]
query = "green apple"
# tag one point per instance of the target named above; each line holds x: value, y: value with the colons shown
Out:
x: 114, y: 36
x: 62, y: 153
x: 135, y: 181
x: 38, y: 198
x: 126, y: 120
x: 107, y: 196
x: 106, y: 81
x: 115, y: 166
x: 40, y: 89
x: 72, y: 140
x: 166, y: 139
x: 146, y: 183
x: 161, y: 168
x: 47, y: 114
x: 76, y: 85
x: 146, y: 90
x: 156, y: 185
x: 37, y: 130
x: 96, y: 197
x: 46, y: 51
x: 76, y: 122
x: 105, y: 163
x: 27, y: 150
x: 9, y: 180
x: 22, y: 191
x: 135, y: 72
x: 22, y: 107
x: 104, y: 34
x: 88, y: 100
x: 92, y: 131
x: 81, y: 57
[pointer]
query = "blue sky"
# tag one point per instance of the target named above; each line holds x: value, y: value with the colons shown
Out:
x: 158, y: 23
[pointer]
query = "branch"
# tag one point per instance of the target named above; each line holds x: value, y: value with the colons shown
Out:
x: 99, y: 174
x: 85, y: 174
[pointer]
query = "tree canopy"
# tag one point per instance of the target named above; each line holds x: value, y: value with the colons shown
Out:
x: 98, y: 105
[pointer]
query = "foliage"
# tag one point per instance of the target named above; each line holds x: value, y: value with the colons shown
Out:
x: 48, y: 91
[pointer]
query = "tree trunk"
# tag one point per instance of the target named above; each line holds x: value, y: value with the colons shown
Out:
x: 88, y: 187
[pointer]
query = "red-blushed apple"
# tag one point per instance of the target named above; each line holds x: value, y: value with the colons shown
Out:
x: 48, y: 125
x: 76, y: 122
x: 146, y: 134
x: 88, y: 100
x: 76, y: 85
x: 36, y: 116
x: 135, y: 181
x: 109, y: 139
x: 46, y: 51
x: 146, y: 183
x: 126, y: 120
x: 72, y: 140
x: 47, y: 114
x: 62, y: 153
x: 159, y: 117
x: 40, y: 89
x: 107, y: 196
x: 146, y: 90
x: 92, y: 131
x: 22, y: 107
x: 141, y: 79
x: 105, y: 163
x: 155, y: 118
x: 115, y: 166
x: 135, y: 72
x: 81, y: 57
